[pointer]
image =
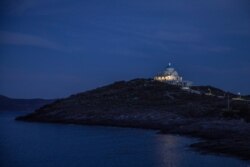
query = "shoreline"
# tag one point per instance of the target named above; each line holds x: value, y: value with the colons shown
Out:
x: 216, y: 142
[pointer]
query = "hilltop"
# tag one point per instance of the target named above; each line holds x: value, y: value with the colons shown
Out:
x: 145, y: 103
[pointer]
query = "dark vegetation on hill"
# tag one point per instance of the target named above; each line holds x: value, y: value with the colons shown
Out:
x: 146, y: 94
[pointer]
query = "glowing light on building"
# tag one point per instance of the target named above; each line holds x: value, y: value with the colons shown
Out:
x: 170, y: 75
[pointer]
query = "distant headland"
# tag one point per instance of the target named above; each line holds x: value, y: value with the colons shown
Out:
x: 14, y: 104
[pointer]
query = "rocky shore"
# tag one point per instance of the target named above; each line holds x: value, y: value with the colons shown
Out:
x: 145, y: 103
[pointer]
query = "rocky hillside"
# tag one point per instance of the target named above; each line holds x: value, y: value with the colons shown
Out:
x: 10, y: 104
x: 140, y: 97
x: 145, y: 103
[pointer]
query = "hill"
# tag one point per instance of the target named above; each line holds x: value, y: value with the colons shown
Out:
x: 145, y: 103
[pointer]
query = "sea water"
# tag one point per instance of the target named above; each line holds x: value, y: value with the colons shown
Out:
x: 24, y: 144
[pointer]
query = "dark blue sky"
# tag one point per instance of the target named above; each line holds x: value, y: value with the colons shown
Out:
x: 54, y: 48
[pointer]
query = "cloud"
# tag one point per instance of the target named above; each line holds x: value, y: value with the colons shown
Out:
x: 19, y: 7
x: 13, y: 38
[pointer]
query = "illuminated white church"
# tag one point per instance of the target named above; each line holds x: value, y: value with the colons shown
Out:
x: 171, y: 76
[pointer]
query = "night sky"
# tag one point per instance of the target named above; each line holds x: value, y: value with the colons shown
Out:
x: 55, y: 48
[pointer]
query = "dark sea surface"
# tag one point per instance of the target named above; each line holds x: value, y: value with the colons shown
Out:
x: 25, y: 144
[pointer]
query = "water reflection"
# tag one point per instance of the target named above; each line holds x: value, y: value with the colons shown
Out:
x: 174, y: 151
x: 167, y: 151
